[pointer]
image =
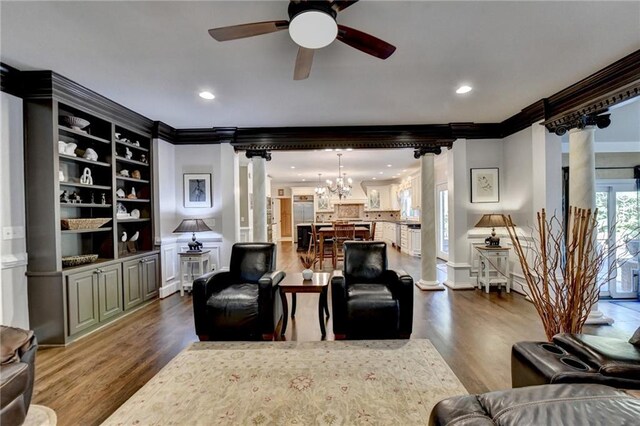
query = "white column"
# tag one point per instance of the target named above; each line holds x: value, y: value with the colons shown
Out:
x: 582, y: 187
x: 229, y: 201
x: 429, y: 273
x: 259, y: 199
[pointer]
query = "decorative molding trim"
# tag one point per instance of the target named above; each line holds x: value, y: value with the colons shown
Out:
x: 10, y: 80
x: 262, y: 153
x: 45, y: 85
x: 14, y: 260
x: 419, y: 152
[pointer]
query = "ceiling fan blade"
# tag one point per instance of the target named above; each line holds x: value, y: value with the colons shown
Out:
x: 247, y: 30
x: 365, y: 42
x: 303, y: 63
x: 339, y: 5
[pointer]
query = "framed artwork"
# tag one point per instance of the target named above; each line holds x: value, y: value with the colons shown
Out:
x: 280, y: 192
x: 197, y: 190
x: 485, y: 187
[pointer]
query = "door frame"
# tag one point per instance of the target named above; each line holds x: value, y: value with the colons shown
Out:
x: 440, y: 188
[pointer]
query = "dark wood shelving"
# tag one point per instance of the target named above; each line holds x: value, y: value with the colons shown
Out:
x: 128, y: 179
x: 85, y: 231
x: 126, y: 160
x: 83, y: 134
x: 132, y: 146
x: 83, y: 160
x: 79, y: 185
x: 85, y: 205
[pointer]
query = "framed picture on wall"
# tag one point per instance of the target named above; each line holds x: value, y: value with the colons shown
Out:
x: 485, y: 186
x: 197, y: 190
x: 280, y: 192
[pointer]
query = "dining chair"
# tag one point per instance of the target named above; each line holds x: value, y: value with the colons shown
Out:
x: 328, y: 245
x: 372, y: 231
x: 341, y: 233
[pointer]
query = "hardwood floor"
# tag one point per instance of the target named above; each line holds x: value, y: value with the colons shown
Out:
x: 87, y: 380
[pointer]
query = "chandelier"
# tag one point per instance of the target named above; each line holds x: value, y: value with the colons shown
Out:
x: 321, y: 190
x: 342, y: 187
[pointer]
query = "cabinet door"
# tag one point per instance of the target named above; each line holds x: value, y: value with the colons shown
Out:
x: 150, y: 274
x: 132, y: 283
x: 109, y: 291
x: 82, y: 299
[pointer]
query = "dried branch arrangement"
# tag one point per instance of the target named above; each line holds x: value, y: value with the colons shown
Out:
x: 308, y: 259
x: 563, y: 273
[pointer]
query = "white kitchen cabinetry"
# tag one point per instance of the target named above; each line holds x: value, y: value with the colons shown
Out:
x: 394, y: 203
x: 413, y: 243
x: 416, y: 192
x: 404, y: 239
x: 379, y: 198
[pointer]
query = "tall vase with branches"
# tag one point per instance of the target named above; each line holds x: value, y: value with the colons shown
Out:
x: 563, y: 273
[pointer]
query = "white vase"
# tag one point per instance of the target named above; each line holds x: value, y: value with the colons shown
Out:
x: 307, y: 274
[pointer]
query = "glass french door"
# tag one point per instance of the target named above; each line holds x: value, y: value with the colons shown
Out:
x: 442, y: 206
x: 618, y: 224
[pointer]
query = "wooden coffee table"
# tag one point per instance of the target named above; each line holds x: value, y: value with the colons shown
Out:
x: 293, y: 283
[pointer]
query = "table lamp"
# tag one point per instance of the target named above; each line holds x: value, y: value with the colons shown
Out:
x: 193, y: 226
x: 491, y: 221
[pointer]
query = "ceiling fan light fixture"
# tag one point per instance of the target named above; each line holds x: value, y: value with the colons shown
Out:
x: 313, y: 29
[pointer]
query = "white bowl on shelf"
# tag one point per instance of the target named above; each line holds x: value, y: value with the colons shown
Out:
x: 76, y: 123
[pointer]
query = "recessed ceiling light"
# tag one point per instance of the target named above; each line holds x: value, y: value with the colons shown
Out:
x: 349, y: 149
x: 338, y: 149
x: 328, y: 149
x: 381, y: 173
x: 293, y: 167
x: 341, y: 166
x: 388, y: 165
x: 463, y: 89
x: 207, y: 95
x: 304, y: 180
x: 404, y: 170
x: 374, y: 178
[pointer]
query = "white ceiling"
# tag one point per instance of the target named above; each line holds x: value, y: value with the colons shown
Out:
x: 154, y: 57
x: 360, y: 165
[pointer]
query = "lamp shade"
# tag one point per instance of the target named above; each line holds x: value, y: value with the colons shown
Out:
x: 491, y: 221
x: 191, y: 225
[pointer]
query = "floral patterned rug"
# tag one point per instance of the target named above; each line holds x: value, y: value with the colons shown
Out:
x: 326, y: 383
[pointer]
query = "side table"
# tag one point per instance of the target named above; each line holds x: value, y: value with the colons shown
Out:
x: 191, y: 258
x: 294, y: 283
x: 494, y: 267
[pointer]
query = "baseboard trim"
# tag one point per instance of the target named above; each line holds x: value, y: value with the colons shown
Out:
x: 459, y: 286
x: 168, y: 289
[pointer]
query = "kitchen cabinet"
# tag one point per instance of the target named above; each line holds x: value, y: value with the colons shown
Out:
x: 382, y: 198
x: 416, y: 192
x: 413, y: 241
x: 404, y: 239
x: 109, y: 292
x: 150, y: 274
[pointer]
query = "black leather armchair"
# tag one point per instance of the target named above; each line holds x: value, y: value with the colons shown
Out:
x: 369, y: 300
x: 17, y: 373
x: 578, y: 358
x: 239, y: 304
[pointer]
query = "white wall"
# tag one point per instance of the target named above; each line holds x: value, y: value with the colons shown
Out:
x: 172, y: 162
x: 13, y: 252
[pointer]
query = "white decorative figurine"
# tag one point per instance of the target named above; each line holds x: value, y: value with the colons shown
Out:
x: 60, y: 176
x: 90, y: 154
x: 124, y: 236
x: 124, y: 173
x: 135, y: 237
x: 86, y: 178
x: 128, y: 154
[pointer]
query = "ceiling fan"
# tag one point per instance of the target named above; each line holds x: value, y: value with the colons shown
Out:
x: 312, y: 25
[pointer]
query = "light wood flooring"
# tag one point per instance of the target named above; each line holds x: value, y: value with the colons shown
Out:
x: 86, y: 381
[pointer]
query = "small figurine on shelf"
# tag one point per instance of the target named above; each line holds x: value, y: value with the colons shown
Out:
x: 123, y: 237
x: 93, y: 198
x: 64, y: 197
x: 143, y: 158
x: 136, y: 174
x: 90, y: 154
x: 136, y: 143
x: 86, y: 178
x: 60, y: 176
x: 75, y: 197
x: 120, y: 193
x: 118, y: 136
x: 104, y: 198
x: 128, y: 154
x: 132, y: 245
x: 121, y: 211
x: 133, y: 195
x: 124, y: 173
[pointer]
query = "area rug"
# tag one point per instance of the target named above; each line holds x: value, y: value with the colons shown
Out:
x: 627, y: 304
x: 327, y: 383
x: 39, y: 415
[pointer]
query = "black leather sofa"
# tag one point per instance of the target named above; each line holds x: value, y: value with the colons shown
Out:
x: 369, y: 300
x: 17, y: 373
x: 559, y: 404
x: 239, y: 304
x: 577, y: 358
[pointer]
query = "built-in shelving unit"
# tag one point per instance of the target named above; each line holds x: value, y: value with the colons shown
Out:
x: 63, y: 184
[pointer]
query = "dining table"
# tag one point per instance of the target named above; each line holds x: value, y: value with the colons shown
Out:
x: 329, y: 231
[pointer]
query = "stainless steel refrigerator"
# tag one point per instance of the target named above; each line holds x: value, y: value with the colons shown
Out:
x: 302, y: 209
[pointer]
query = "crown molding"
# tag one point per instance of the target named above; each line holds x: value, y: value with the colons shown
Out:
x: 594, y: 94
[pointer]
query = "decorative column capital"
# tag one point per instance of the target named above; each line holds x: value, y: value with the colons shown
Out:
x: 419, y: 152
x: 579, y: 122
x: 262, y: 153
